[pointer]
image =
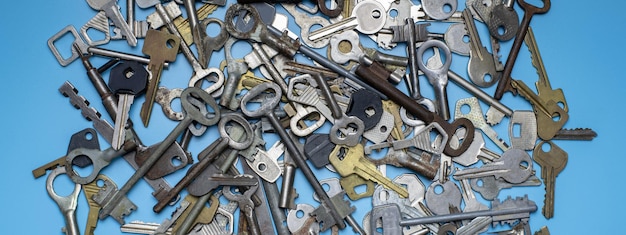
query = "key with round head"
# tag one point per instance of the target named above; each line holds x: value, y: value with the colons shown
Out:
x: 475, y: 152
x: 438, y: 77
x: 127, y: 80
x: 529, y: 10
x: 514, y: 166
x: 91, y: 190
x: 552, y: 162
x: 475, y: 115
x: 481, y: 66
x: 112, y: 10
x: 67, y: 204
x: 550, y: 116
x: 161, y: 47
x: 441, y: 196
x: 245, y: 205
x: 192, y: 113
x: 489, y: 187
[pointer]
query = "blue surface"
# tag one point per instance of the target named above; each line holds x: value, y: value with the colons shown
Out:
x: 582, y: 47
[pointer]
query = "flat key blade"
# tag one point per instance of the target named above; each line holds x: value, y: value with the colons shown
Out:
x: 119, y: 131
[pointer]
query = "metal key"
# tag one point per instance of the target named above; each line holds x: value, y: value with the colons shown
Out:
x: 505, y: 18
x: 438, y: 77
x: 481, y: 66
x: 552, y: 162
x: 529, y: 10
x: 127, y: 80
x: 235, y: 71
x: 306, y: 22
x: 90, y: 191
x: 86, y: 138
x: 246, y: 206
x: 368, y: 17
x: 489, y: 187
x: 514, y: 166
x: 67, y: 204
x: 112, y: 11
x: 475, y: 115
x: 550, y: 116
x: 192, y: 114
x: 439, y: 202
x: 161, y: 47
x: 206, y: 215
x: 475, y: 152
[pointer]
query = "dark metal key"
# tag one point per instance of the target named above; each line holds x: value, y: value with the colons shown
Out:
x: 127, y: 79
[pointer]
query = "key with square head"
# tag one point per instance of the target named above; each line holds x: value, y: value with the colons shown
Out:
x: 514, y: 166
x: 127, y: 79
x: 67, y: 204
x: 351, y: 160
x: 192, y: 113
x: 245, y: 205
x: 161, y: 47
x: 529, y: 10
x: 481, y: 66
x: 112, y: 11
x: 475, y: 115
x: 552, y: 162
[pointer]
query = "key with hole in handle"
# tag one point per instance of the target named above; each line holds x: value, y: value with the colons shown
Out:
x: 127, y: 79
x: 112, y: 10
x: 475, y: 115
x: 161, y: 47
x: 514, y: 166
x: 86, y: 138
x: 481, y: 62
x: 550, y: 116
x: 67, y: 204
x: 91, y: 190
x: 246, y: 206
x: 552, y: 162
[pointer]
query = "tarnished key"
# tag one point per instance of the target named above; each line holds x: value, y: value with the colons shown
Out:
x: 475, y: 115
x: 67, y: 204
x: 91, y: 190
x: 245, y: 205
x: 351, y: 160
x: 481, y: 66
x: 236, y: 69
x: 489, y: 187
x: 112, y: 11
x: 575, y: 134
x: 161, y: 47
x: 127, y: 80
x: 87, y: 138
x: 514, y: 166
x: 552, y: 162
x: 437, y: 76
x: 550, y: 116
x: 206, y: 215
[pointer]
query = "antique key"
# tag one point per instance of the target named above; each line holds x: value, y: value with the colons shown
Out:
x: 246, y: 205
x: 552, y: 162
x: 127, y: 80
x: 86, y: 138
x: 161, y: 47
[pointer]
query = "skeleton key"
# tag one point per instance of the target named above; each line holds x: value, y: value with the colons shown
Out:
x: 514, y: 166
x: 236, y: 69
x: 245, y: 205
x: 192, y: 114
x: 127, y: 80
x: 529, y: 10
x: 161, y: 47
x: 86, y: 138
x: 67, y: 204
x: 552, y: 162
x: 481, y: 63
x: 550, y: 116
x: 544, y: 89
x: 475, y: 115
x: 112, y: 11
x: 351, y: 160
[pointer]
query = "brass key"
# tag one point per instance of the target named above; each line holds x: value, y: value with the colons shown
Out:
x: 552, y: 163
x: 351, y: 160
x: 86, y: 138
x: 91, y: 190
x: 550, y: 117
x: 161, y: 47
x: 206, y: 215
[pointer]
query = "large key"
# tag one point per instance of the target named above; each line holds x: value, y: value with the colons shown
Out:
x: 349, y: 161
x: 438, y: 77
x: 127, y: 80
x: 161, y: 47
x: 529, y: 10
x: 552, y: 162
x: 67, y: 204
x: 192, y: 114
x: 112, y: 11
x: 514, y: 166
x: 481, y: 63
x: 475, y: 115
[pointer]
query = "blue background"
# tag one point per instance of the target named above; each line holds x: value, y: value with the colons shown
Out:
x: 582, y: 47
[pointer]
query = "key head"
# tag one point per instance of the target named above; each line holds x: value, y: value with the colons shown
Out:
x: 389, y: 217
x: 239, y: 119
x: 161, y: 46
x: 436, y: 75
x: 128, y: 77
x: 244, y: 198
x: 194, y: 112
x: 439, y: 202
x: 555, y: 158
x: 531, y: 10
x: 519, y: 163
x: 504, y: 18
x: 66, y: 203
x: 265, y: 108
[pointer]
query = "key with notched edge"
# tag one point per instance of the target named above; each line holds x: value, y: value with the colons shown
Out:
x: 87, y: 139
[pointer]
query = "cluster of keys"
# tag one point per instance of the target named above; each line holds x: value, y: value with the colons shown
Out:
x: 341, y: 111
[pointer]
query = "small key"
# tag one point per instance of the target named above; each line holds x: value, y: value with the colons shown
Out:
x: 439, y: 203
x: 206, y: 215
x: 526, y: 121
x: 79, y: 102
x: 529, y: 10
x: 367, y: 17
x: 161, y: 47
x: 67, y: 204
x: 245, y: 205
x: 127, y: 80
x: 306, y: 22
x: 112, y: 11
x: 489, y: 187
x: 91, y: 190
x: 552, y: 162
x: 422, y: 140
x: 481, y: 66
x: 514, y: 166
x: 349, y: 161
x: 475, y: 115
x: 192, y: 114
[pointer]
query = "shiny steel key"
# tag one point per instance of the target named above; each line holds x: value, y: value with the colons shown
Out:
x: 127, y: 80
x: 112, y: 11
x: 514, y: 166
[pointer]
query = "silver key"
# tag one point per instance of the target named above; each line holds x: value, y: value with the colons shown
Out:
x: 526, y: 121
x: 306, y: 22
x: 515, y: 166
x: 368, y: 17
x: 422, y: 140
x: 475, y: 115
x: 476, y: 151
x: 295, y: 223
x: 489, y: 187
x: 436, y: 9
x: 437, y: 76
x: 481, y: 66
x: 127, y: 80
x: 441, y: 196
x: 112, y: 11
x: 265, y: 163
x: 66, y: 204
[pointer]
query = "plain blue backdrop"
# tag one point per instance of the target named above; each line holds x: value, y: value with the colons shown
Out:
x: 582, y: 46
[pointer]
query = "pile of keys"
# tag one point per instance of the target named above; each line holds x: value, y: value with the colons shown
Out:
x: 343, y: 111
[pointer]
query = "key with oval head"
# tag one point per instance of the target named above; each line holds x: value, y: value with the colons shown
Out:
x: 112, y: 11
x: 529, y: 10
x: 552, y: 162
x: 514, y: 166
x: 67, y: 204
x: 367, y: 17
x: 161, y: 47
x: 481, y: 63
x: 127, y: 79
x: 475, y: 152
x: 192, y: 113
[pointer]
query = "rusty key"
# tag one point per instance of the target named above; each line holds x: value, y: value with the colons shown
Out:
x: 529, y: 11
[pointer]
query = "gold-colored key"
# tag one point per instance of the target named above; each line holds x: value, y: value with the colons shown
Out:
x: 394, y: 109
x: 183, y: 23
x: 550, y: 117
x: 206, y: 215
x: 91, y: 190
x: 351, y: 160
x: 350, y: 182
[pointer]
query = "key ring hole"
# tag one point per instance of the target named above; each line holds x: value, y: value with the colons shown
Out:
x: 214, y: 28
x: 244, y: 13
x: 248, y: 106
x: 170, y: 43
x: 213, y: 112
x: 240, y: 121
x: 546, y: 147
x: 62, y: 185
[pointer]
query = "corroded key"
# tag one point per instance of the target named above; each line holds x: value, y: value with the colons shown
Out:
x: 66, y: 204
x: 351, y: 160
x: 552, y: 162
x: 161, y: 47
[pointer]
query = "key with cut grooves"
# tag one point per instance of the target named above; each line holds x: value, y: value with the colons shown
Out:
x: 127, y: 80
x: 575, y: 134
x: 475, y: 115
x: 552, y: 162
x: 112, y: 11
x: 91, y: 190
x: 161, y: 47
x: 86, y: 138
x: 481, y: 61
x: 550, y: 116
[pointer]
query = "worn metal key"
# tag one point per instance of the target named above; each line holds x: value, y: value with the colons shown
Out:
x: 552, y: 162
x: 112, y: 11
x: 66, y: 204
x: 245, y: 205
